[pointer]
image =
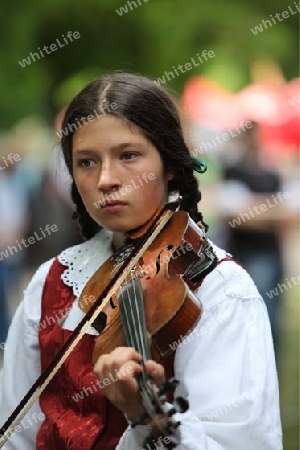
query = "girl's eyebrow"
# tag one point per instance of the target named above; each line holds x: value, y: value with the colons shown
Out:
x: 125, y: 145
x: 122, y: 146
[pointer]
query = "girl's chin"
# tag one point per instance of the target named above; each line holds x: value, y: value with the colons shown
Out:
x: 119, y: 224
x: 119, y: 227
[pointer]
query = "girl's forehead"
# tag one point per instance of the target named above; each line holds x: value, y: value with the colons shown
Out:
x: 107, y: 130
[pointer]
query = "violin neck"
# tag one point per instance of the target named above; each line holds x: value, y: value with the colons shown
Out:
x: 133, y: 317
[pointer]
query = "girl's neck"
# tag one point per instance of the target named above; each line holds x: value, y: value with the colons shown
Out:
x: 118, y: 240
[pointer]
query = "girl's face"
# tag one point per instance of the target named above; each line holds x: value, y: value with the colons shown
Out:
x: 119, y: 174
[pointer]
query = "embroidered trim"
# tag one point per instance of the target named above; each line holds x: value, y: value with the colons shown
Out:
x: 83, y: 260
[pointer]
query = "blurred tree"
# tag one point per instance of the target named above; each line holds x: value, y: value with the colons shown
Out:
x: 150, y: 39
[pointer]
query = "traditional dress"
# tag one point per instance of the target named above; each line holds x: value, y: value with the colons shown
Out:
x: 226, y: 365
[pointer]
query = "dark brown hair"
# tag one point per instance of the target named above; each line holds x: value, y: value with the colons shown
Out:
x: 149, y: 107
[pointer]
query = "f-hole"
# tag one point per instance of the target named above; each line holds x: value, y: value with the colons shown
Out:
x: 112, y: 303
x: 158, y: 263
x: 100, y: 322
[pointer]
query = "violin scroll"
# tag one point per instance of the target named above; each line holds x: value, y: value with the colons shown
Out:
x: 164, y: 429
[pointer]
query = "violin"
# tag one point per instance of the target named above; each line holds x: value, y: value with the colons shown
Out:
x: 141, y: 297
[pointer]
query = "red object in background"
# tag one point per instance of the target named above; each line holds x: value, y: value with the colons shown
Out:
x: 276, y: 110
x: 208, y: 103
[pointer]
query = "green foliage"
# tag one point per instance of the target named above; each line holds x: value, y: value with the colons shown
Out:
x: 149, y: 39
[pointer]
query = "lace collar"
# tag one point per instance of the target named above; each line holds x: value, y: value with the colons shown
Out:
x: 83, y: 260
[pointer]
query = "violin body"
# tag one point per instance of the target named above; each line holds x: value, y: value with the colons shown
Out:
x: 171, y: 308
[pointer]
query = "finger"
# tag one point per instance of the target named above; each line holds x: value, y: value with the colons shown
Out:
x: 156, y: 372
x: 124, y: 375
x: 126, y: 353
x: 128, y: 370
x: 116, y: 359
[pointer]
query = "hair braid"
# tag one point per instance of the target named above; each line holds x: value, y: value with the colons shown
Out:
x: 88, y: 226
x: 191, y: 195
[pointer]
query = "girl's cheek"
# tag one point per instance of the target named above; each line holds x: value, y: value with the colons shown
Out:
x: 153, y: 199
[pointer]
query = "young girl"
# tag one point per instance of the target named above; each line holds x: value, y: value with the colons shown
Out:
x: 124, y: 148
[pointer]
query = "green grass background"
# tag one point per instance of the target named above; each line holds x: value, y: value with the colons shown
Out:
x: 288, y: 364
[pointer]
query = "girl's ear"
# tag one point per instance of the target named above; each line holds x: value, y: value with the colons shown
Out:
x: 169, y: 176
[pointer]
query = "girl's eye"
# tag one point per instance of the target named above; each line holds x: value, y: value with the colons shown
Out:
x: 85, y: 162
x: 128, y: 156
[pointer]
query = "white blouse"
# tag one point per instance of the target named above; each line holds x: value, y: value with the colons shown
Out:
x: 226, y: 366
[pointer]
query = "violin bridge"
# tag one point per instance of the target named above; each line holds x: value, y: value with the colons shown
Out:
x: 137, y: 272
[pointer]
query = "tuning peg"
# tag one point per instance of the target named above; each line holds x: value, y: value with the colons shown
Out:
x: 169, y: 386
x: 180, y: 405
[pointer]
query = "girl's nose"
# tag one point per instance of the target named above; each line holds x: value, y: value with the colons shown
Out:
x: 108, y: 177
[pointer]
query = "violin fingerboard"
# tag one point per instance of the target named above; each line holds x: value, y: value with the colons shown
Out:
x: 132, y: 311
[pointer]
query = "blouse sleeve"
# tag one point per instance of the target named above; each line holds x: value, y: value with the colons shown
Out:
x: 227, y: 371
x: 21, y: 366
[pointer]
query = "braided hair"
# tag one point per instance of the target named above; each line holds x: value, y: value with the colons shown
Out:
x: 142, y: 103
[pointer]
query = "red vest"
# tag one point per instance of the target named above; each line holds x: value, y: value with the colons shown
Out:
x: 78, y: 416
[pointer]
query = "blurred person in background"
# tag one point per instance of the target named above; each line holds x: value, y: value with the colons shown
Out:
x: 50, y: 203
x: 45, y: 180
x: 256, y: 240
x: 13, y: 226
x: 3, y: 310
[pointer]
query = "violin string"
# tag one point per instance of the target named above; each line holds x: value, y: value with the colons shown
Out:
x: 38, y: 387
x: 126, y: 319
x: 139, y: 306
x: 131, y: 308
x: 132, y: 311
x: 144, y: 348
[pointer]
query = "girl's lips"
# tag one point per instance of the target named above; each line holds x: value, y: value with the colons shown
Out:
x: 113, y: 206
